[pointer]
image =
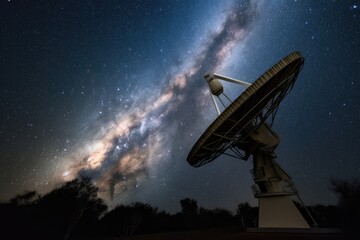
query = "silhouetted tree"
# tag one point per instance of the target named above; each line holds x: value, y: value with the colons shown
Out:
x: 246, y: 215
x: 19, y: 214
x: 189, y: 206
x: 74, y: 205
x: 139, y: 217
x: 147, y: 214
x: 222, y: 218
x: 189, y: 210
x: 122, y: 221
x: 349, y: 207
x: 62, y: 208
x: 73, y: 211
x: 325, y: 216
x: 26, y: 198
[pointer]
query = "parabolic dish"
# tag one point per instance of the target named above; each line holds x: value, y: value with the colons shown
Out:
x: 244, y: 115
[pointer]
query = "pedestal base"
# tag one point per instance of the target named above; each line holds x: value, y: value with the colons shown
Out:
x: 280, y: 212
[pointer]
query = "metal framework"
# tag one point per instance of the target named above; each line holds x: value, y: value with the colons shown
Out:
x: 258, y: 103
x: 244, y: 129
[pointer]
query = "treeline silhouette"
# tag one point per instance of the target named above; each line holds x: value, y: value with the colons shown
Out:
x: 74, y: 211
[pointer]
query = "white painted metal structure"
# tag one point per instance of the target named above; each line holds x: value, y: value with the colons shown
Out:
x: 243, y: 129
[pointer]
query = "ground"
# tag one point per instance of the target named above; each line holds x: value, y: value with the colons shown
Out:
x: 236, y: 233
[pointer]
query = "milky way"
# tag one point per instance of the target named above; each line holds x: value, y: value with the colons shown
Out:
x: 123, y: 152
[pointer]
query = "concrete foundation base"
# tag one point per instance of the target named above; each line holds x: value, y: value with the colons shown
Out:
x: 294, y: 230
x: 280, y: 212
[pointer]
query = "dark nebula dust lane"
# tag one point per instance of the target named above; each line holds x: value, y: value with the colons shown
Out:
x: 126, y: 147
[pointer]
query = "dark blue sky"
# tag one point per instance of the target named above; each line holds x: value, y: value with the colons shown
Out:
x: 114, y: 90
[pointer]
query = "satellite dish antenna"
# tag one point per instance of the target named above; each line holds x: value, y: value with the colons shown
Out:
x: 244, y: 129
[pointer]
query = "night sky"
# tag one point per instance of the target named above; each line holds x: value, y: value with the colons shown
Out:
x: 114, y: 90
